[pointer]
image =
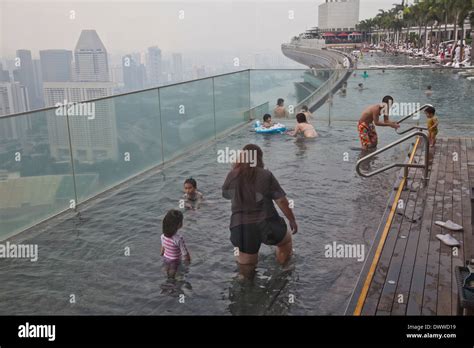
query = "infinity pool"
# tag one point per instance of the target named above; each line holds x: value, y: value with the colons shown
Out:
x: 85, y: 256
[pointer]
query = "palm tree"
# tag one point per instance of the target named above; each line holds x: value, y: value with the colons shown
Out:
x: 366, y: 26
x: 434, y: 16
x: 461, y: 9
x: 445, y: 8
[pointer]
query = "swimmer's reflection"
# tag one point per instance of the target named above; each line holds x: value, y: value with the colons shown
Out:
x: 267, y: 293
x: 301, y: 147
x: 176, y: 283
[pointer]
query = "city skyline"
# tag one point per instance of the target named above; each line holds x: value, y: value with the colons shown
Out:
x: 129, y: 28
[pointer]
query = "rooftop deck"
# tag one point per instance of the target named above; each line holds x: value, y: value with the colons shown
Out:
x: 408, y: 270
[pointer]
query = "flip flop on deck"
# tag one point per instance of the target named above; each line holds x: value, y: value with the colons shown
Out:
x: 449, y: 225
x: 448, y: 240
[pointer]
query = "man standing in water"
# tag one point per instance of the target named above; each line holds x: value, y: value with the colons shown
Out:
x: 370, y: 119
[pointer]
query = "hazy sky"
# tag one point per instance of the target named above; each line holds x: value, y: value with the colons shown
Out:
x: 126, y: 26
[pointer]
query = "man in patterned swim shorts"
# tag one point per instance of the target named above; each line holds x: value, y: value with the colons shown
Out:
x: 370, y: 119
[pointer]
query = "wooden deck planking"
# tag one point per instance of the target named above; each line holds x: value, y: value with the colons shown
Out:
x: 457, y: 255
x: 417, y: 273
x: 380, y: 276
x: 389, y: 291
x: 419, y: 267
x: 430, y: 291
x: 444, y: 275
x: 399, y: 305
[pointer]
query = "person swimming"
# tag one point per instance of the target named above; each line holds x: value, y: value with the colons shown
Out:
x: 306, y: 112
x: 365, y: 75
x: 303, y: 127
x: 280, y: 110
x: 267, y: 121
x: 343, y: 91
x: 429, y: 91
x: 192, y: 197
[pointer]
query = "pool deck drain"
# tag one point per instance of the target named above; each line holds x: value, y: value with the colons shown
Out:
x: 413, y: 273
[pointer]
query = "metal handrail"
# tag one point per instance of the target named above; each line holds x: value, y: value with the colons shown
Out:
x: 410, y: 115
x: 409, y: 129
x: 393, y: 165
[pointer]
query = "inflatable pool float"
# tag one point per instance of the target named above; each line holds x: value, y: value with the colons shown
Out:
x: 277, y: 128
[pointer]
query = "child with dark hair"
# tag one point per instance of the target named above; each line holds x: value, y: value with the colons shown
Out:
x: 303, y: 127
x: 192, y: 197
x: 267, y: 121
x: 173, y: 247
x: 432, y: 124
x: 280, y: 111
x: 306, y: 112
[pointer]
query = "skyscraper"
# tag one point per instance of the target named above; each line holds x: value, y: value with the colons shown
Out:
x: 4, y: 75
x: 13, y: 99
x: 90, y: 58
x: 134, y: 75
x: 153, y: 66
x: 339, y: 15
x: 26, y: 75
x: 94, y: 137
x: 56, y: 65
x: 177, y: 67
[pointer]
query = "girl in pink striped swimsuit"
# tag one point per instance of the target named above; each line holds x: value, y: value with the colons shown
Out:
x: 173, y: 247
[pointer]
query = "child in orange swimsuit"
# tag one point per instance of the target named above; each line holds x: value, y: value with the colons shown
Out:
x: 432, y: 124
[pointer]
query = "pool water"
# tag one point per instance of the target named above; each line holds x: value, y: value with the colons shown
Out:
x: 107, y: 258
x: 84, y: 256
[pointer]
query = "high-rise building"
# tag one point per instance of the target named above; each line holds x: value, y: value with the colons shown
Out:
x: 4, y: 74
x: 56, y: 65
x: 177, y: 67
x: 93, y: 134
x: 90, y: 58
x: 199, y: 71
x: 27, y: 76
x: 13, y: 99
x: 134, y: 74
x: 338, y: 15
x: 93, y: 125
x: 153, y: 66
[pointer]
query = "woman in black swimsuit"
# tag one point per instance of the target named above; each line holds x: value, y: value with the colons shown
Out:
x: 252, y: 190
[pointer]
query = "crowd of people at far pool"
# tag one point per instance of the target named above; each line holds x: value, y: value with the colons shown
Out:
x: 254, y: 191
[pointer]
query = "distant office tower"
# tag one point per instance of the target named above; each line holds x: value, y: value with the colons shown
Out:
x: 199, y: 72
x: 134, y: 75
x: 4, y: 74
x: 90, y: 58
x: 13, y: 99
x: 153, y: 66
x: 116, y: 74
x: 56, y: 65
x: 177, y: 67
x: 93, y: 136
x: 338, y: 15
x: 27, y: 76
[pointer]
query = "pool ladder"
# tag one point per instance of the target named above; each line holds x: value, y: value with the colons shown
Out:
x: 418, y: 133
